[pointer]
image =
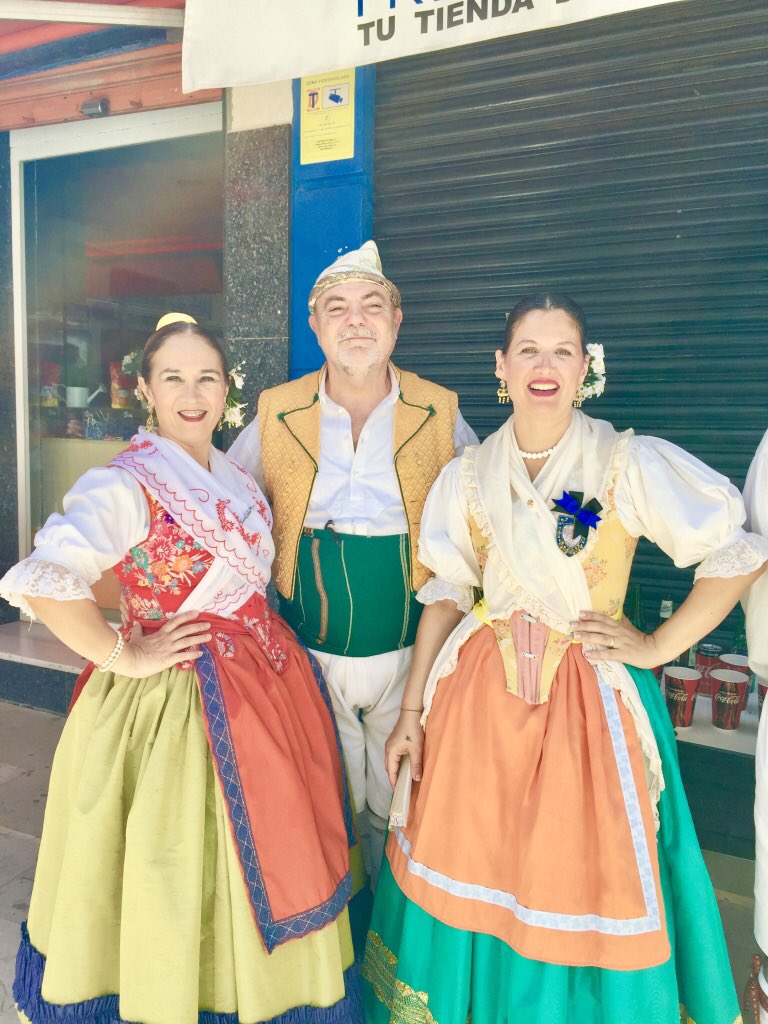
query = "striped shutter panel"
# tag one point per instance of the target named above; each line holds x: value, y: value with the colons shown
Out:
x: 622, y: 160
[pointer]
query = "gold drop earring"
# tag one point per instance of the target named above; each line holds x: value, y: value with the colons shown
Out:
x: 150, y: 425
x: 502, y: 393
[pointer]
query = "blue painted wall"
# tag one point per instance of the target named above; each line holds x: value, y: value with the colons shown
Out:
x: 331, y: 212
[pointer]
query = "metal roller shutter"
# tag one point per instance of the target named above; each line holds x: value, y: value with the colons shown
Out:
x: 622, y: 160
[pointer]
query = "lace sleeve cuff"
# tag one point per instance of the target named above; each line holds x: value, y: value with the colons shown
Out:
x: 738, y: 558
x: 441, y: 590
x: 35, y: 577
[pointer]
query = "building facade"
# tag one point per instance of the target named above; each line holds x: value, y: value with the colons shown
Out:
x: 621, y: 160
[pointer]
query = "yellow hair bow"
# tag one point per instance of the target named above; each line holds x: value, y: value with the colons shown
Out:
x: 174, y: 318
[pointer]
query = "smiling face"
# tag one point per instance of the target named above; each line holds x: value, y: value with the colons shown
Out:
x: 356, y: 326
x: 544, y: 363
x: 188, y: 387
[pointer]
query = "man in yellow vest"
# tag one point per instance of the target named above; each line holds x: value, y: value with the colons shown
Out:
x: 346, y: 456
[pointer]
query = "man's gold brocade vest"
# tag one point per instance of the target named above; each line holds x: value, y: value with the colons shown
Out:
x: 289, y: 424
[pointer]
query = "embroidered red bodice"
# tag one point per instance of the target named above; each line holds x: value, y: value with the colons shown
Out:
x: 157, y: 576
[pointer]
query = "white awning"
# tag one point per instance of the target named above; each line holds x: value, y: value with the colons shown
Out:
x: 247, y: 42
x: 64, y: 12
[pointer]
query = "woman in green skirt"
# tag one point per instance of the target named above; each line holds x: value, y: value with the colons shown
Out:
x: 549, y: 869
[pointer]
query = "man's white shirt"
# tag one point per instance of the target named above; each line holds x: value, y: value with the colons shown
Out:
x: 356, y: 488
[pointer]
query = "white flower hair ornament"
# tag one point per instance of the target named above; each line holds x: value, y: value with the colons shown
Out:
x: 234, y: 410
x: 593, y: 384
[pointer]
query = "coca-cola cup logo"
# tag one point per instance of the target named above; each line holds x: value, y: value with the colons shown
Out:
x: 681, y: 685
x: 728, y: 691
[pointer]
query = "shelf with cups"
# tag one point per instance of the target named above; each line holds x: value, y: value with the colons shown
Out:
x: 715, y: 703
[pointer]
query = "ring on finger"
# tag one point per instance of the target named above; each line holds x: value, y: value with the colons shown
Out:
x: 612, y: 642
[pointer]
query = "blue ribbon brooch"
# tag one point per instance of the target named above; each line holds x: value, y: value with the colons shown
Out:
x: 575, y: 519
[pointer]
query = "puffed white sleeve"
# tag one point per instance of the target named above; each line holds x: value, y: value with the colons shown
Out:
x: 756, y: 600
x: 445, y: 542
x: 690, y: 511
x: 105, y: 515
x: 463, y: 434
x: 246, y: 449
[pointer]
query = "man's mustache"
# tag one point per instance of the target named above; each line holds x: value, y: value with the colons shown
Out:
x: 357, y: 332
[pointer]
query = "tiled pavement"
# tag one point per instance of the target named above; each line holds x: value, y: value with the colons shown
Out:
x: 27, y: 741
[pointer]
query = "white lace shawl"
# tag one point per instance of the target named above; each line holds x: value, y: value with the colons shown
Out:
x: 105, y: 515
x: 692, y: 513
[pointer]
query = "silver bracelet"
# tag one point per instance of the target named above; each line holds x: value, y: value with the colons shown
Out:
x: 113, y: 655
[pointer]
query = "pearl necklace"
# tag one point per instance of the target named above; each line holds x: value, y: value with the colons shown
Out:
x: 532, y: 456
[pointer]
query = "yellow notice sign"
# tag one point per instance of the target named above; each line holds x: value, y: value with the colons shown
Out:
x: 328, y: 117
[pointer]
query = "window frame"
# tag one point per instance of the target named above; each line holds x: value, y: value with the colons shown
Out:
x: 39, y: 143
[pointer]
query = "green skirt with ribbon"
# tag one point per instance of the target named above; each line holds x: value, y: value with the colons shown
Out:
x: 419, y: 971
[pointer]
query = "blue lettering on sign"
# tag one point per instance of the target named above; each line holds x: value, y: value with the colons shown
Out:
x: 361, y: 6
x: 393, y: 5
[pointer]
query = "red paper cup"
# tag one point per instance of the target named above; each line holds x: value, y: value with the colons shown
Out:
x: 737, y: 663
x: 728, y: 694
x: 707, y: 656
x: 681, y: 685
x: 762, y: 689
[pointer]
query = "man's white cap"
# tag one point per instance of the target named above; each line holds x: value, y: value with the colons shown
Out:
x: 363, y: 264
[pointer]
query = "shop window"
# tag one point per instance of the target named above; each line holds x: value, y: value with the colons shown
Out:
x: 113, y: 240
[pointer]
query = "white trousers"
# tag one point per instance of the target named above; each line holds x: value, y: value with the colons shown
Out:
x: 366, y: 695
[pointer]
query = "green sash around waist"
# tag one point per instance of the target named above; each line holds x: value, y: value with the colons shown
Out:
x: 352, y: 594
